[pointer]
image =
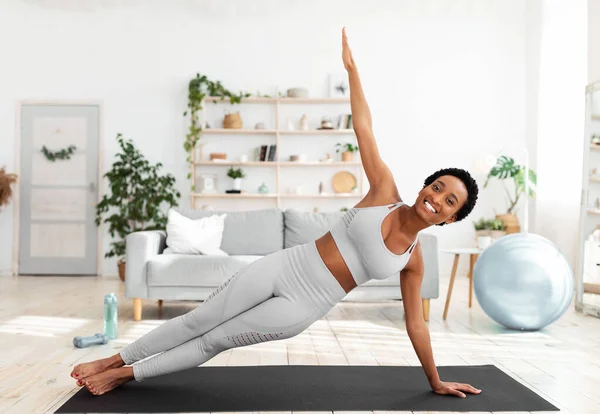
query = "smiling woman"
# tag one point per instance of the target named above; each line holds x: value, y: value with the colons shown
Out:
x: 280, y: 295
x: 444, y: 190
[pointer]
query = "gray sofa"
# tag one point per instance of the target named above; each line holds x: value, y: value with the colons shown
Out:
x: 247, y: 236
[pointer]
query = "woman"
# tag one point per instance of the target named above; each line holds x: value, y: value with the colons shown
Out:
x: 282, y: 294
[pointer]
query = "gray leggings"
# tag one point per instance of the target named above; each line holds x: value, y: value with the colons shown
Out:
x: 276, y: 297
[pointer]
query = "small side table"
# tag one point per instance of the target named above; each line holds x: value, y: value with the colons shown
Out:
x: 473, y: 253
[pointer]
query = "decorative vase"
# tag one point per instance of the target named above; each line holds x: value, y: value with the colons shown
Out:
x: 263, y: 189
x: 511, y: 221
x: 347, y: 155
x: 121, y: 267
x: 304, y: 123
x: 237, y: 183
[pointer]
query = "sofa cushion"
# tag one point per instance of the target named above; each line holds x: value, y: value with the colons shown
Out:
x: 303, y: 227
x: 194, y: 270
x: 251, y: 232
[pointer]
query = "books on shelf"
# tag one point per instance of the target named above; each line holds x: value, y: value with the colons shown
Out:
x: 266, y: 152
x: 345, y: 121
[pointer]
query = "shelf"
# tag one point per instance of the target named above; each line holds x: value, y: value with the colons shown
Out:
x: 282, y: 100
x: 248, y: 131
x: 314, y: 100
x: 328, y: 195
x: 594, y: 211
x: 595, y: 147
x: 595, y: 179
x: 281, y: 163
x: 225, y: 195
x: 232, y: 131
x: 248, y: 164
x: 596, y: 117
x: 275, y: 195
x: 591, y: 288
x: 251, y: 99
x: 318, y: 132
x: 319, y: 164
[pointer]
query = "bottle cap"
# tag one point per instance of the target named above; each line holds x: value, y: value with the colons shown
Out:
x: 110, y: 298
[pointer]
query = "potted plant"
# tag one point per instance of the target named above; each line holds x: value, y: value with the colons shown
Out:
x: 347, y: 150
x: 6, y: 191
x: 481, y: 228
x: 487, y: 231
x: 497, y: 228
x: 506, y: 169
x: 236, y: 174
x: 137, y: 193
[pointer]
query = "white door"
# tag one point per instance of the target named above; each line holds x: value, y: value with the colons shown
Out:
x: 58, y: 234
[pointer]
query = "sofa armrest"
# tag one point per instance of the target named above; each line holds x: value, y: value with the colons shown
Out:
x: 140, y: 247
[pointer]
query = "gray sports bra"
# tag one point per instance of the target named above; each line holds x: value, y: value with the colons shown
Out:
x: 359, y: 240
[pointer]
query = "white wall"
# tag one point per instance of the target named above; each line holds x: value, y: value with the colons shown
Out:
x: 560, y: 121
x: 446, y: 80
x: 593, y: 45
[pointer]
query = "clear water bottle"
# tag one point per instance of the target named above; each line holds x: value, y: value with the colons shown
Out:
x: 110, y: 315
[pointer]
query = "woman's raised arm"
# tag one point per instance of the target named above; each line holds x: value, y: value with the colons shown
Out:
x: 378, y: 173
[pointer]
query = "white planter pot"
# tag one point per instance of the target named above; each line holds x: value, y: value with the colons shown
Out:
x: 237, y: 183
x: 483, y: 242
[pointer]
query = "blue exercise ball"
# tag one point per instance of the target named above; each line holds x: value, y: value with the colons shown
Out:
x: 523, y: 281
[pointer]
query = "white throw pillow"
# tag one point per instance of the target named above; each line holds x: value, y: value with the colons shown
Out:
x: 200, y: 236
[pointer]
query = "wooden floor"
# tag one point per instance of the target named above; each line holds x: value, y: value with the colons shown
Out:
x: 39, y: 316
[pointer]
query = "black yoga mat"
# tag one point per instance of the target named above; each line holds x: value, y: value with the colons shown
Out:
x: 311, y: 388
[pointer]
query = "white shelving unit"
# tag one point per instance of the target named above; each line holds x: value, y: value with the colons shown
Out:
x: 280, y: 134
x: 587, y: 272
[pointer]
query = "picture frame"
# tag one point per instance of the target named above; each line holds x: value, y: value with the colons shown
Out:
x: 207, y: 184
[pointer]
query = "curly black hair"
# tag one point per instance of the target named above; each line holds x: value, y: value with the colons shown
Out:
x: 470, y: 183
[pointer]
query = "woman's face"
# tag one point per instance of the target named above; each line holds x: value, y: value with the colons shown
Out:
x: 440, y: 201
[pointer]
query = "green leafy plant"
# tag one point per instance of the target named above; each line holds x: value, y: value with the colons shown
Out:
x: 347, y: 147
x: 491, y: 224
x: 496, y: 224
x: 506, y: 169
x: 235, y: 173
x: 137, y: 195
x: 199, y: 88
x: 481, y: 224
x: 63, y: 154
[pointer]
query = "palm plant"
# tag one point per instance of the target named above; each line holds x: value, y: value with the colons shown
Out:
x: 507, y: 169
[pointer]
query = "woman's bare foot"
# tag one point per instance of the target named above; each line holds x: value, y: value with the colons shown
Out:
x: 88, y: 369
x: 105, y: 381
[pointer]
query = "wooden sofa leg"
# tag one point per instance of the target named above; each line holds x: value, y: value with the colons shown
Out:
x: 137, y: 309
x: 426, y: 309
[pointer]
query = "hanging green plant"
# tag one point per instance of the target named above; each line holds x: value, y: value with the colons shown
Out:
x: 63, y: 154
x: 199, y: 88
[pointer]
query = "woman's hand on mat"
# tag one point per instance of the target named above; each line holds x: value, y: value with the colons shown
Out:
x: 346, y: 52
x: 455, y: 388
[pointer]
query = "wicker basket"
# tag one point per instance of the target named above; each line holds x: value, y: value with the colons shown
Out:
x: 218, y: 156
x: 232, y: 121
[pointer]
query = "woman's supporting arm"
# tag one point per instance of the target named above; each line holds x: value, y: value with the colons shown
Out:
x: 411, y: 279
